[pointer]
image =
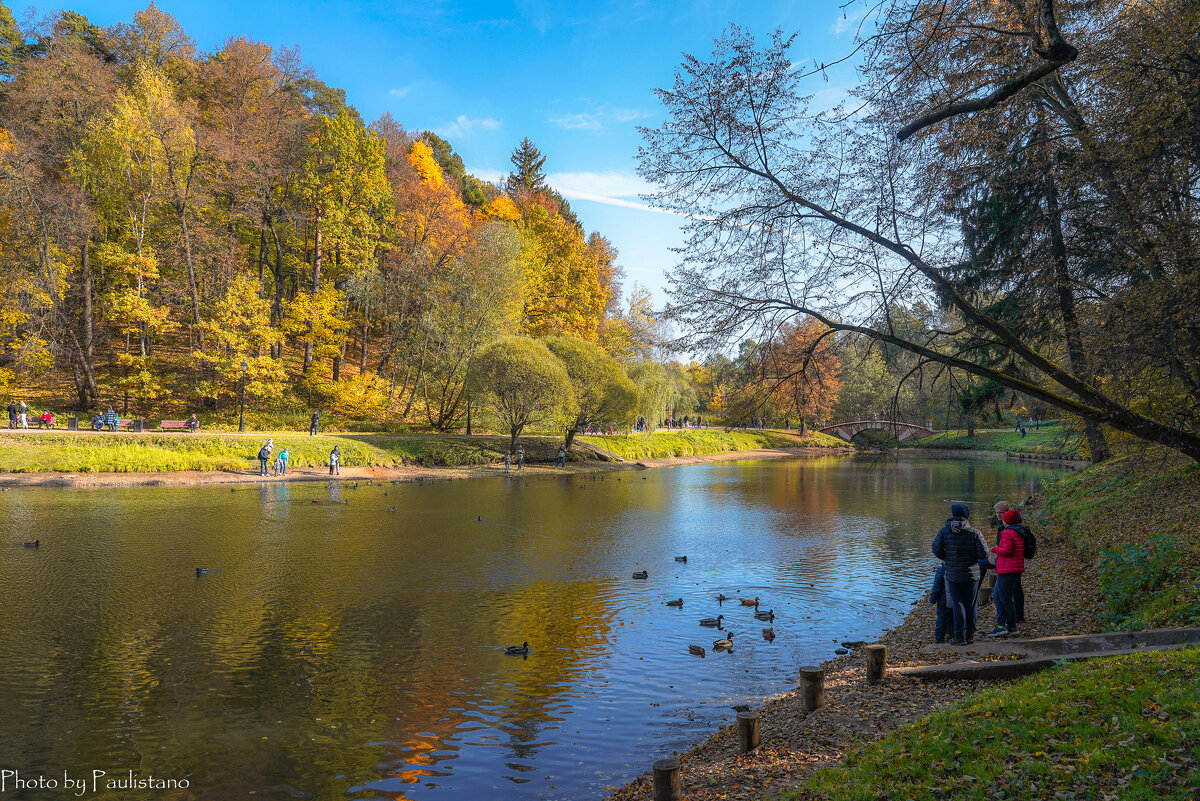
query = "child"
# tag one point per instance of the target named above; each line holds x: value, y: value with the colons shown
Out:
x: 939, y: 597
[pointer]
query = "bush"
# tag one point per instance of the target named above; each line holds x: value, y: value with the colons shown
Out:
x: 1129, y: 576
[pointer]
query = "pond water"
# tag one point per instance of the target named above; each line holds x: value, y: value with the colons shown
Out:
x: 338, y: 650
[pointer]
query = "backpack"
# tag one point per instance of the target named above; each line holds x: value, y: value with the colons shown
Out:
x: 1027, y: 537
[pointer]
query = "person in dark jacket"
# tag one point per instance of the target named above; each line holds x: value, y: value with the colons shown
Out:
x: 961, y: 546
x: 1010, y: 564
x: 941, y: 601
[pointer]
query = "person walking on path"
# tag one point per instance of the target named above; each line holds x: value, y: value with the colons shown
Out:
x: 961, y: 546
x: 561, y: 459
x: 520, y: 457
x: 1010, y: 565
x: 335, y: 461
x: 314, y: 422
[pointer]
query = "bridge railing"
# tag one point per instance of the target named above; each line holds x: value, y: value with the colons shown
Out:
x: 877, y: 418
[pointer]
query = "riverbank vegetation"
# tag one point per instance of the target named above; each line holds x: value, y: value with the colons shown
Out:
x: 1125, y: 727
x: 1058, y: 440
x: 700, y: 443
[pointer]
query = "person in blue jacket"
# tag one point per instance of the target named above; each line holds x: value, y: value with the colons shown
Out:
x: 961, y: 547
x: 941, y: 601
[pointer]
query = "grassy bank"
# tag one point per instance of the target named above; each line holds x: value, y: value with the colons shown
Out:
x: 702, y: 443
x: 1051, y: 439
x: 1137, y: 517
x: 1127, y: 727
x: 86, y: 452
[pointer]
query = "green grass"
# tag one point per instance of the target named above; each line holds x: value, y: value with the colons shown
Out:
x: 1127, y: 727
x: 1138, y: 519
x: 702, y: 443
x: 87, y: 452
x: 1052, y: 440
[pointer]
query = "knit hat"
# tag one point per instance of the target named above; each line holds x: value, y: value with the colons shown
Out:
x: 1011, y: 516
x: 959, y: 510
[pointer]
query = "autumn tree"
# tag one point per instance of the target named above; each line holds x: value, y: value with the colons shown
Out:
x: 604, y: 394
x: 802, y: 369
x: 830, y: 215
x: 524, y: 384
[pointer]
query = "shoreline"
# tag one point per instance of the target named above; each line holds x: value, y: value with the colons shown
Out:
x: 796, y: 744
x: 186, y: 478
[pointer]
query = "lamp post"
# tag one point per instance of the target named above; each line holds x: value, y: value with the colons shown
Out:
x: 242, y: 398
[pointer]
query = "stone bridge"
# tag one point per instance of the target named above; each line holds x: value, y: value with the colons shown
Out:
x: 900, y: 429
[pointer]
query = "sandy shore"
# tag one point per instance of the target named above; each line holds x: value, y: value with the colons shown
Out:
x: 1061, y: 598
x: 410, y: 473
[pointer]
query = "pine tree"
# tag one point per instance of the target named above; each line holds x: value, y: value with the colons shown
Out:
x: 528, y: 161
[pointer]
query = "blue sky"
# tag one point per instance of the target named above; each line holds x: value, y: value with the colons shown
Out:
x: 576, y: 78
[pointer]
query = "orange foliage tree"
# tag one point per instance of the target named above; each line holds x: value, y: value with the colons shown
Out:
x: 803, y: 369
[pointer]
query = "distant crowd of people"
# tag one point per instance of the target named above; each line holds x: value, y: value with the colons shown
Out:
x: 966, y: 559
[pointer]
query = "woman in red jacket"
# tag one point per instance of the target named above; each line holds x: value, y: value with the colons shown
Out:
x: 1010, y: 564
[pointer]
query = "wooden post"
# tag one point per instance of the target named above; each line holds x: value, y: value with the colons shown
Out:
x: 812, y: 688
x: 876, y: 657
x: 666, y: 780
x: 748, y: 733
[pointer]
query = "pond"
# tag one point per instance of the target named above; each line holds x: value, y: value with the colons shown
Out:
x: 337, y: 649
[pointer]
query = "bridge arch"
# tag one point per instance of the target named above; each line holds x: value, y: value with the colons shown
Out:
x: 902, y: 430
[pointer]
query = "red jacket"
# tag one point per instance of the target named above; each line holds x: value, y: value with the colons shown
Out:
x: 1010, y: 553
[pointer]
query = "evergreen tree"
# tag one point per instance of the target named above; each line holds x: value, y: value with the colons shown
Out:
x: 528, y: 161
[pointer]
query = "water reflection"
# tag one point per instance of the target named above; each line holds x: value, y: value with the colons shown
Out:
x: 338, y: 650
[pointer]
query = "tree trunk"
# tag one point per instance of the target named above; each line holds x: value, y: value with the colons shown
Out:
x: 337, y: 368
x: 570, y: 438
x: 316, y: 275
x: 90, y: 391
x: 362, y: 354
x: 1066, y: 305
x: 191, y: 272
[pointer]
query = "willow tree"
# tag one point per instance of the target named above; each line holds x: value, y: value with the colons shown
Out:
x: 836, y: 214
x: 523, y: 384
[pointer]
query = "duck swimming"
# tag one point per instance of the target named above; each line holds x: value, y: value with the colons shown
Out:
x: 767, y: 615
x: 769, y: 634
x: 641, y: 574
x: 712, y: 621
x: 725, y: 644
x: 518, y: 650
x: 677, y: 602
x: 748, y: 602
x: 34, y: 544
x: 695, y: 649
x: 680, y: 558
x: 201, y: 571
x: 722, y: 598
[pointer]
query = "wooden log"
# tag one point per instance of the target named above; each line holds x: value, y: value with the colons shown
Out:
x: 748, y: 733
x: 666, y: 780
x: 876, y: 659
x: 812, y: 688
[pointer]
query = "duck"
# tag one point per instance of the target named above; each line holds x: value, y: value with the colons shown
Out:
x: 724, y: 644
x: 722, y: 598
x: 769, y: 634
x: 518, y: 650
x: 767, y: 615
x: 391, y: 509
x: 641, y: 574
x: 201, y: 571
x: 748, y: 602
x: 680, y: 558
x: 677, y: 602
x: 34, y: 544
x: 712, y: 621
x: 695, y: 649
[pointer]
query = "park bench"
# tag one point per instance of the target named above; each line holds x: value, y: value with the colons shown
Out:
x: 173, y: 425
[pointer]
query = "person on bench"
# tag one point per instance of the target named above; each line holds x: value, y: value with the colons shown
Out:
x: 97, y: 421
x: 46, y: 420
x: 111, y: 420
x: 193, y: 423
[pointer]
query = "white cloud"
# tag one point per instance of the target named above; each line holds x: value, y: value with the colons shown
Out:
x: 597, y: 119
x: 847, y: 21
x: 610, y: 188
x: 464, y: 126
x: 488, y: 175
x: 400, y: 92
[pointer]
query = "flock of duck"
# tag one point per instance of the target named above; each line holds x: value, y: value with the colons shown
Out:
x: 723, y: 644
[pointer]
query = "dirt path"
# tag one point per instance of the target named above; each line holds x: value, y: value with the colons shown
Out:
x: 199, y: 477
x: 1060, y: 599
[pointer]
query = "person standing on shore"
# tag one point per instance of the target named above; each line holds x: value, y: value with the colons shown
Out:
x: 961, y: 546
x: 314, y: 422
x: 520, y: 457
x: 1010, y: 565
x: 23, y: 414
x: 507, y: 462
x: 264, y: 455
x: 335, y: 461
x: 941, y: 602
x: 561, y: 459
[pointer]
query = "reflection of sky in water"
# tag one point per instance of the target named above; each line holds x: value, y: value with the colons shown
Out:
x: 338, y: 650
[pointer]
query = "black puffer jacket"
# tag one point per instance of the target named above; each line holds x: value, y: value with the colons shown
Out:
x: 960, y: 545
